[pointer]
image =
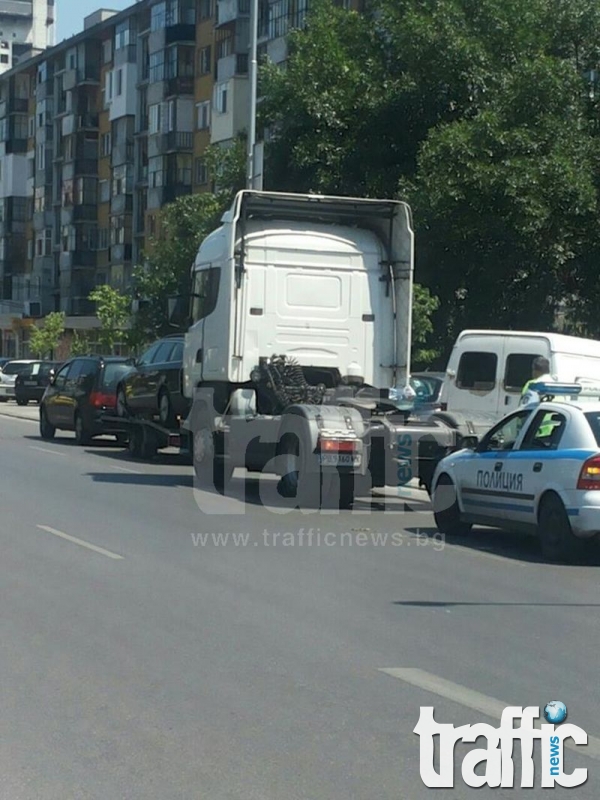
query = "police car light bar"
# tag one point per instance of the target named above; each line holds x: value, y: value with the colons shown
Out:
x: 556, y: 389
x: 573, y: 391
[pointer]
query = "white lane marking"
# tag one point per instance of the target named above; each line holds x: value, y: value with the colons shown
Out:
x: 6, y: 415
x: 476, y: 701
x: 80, y: 542
x: 126, y: 469
x: 46, y: 450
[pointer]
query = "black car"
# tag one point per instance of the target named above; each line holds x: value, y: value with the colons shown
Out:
x: 31, y: 383
x: 154, y: 385
x: 81, y: 392
x: 427, y: 387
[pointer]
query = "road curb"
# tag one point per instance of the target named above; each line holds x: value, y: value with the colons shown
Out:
x: 17, y: 416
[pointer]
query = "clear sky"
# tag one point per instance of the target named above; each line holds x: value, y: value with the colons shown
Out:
x: 70, y: 14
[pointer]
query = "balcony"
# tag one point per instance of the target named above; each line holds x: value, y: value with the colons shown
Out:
x: 79, y: 306
x: 86, y: 166
x: 230, y: 66
x: 179, y: 140
x: 120, y: 253
x: 121, y: 203
x: 16, y: 145
x: 229, y: 11
x: 87, y: 121
x: 85, y: 213
x: 182, y: 85
x: 180, y: 33
x: 175, y: 190
x: 122, y: 154
x: 18, y: 105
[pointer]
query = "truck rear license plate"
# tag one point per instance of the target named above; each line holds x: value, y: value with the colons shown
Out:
x: 340, y: 459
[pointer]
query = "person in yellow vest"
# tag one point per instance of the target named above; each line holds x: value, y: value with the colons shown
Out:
x: 540, y: 372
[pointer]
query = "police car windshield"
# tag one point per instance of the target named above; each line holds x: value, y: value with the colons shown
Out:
x: 593, y: 417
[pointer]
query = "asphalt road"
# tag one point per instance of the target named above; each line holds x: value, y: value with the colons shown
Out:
x: 139, y: 660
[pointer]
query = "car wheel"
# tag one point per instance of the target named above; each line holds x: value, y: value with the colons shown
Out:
x: 165, y: 409
x: 211, y: 471
x: 446, y: 511
x: 47, y: 430
x: 557, y: 541
x: 122, y: 410
x: 21, y: 401
x: 82, y: 435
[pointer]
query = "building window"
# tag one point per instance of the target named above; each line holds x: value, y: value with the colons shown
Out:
x: 103, y: 239
x: 48, y: 242
x: 122, y: 181
x: 41, y: 156
x: 124, y: 36
x: 104, y: 191
x: 221, y: 97
x: 171, y: 116
x: 21, y: 126
x: 108, y: 89
x: 117, y: 230
x: 154, y: 123
x: 107, y: 51
x: 204, y: 61
x: 201, y: 172
x: 29, y: 249
x: 67, y: 193
x: 145, y: 59
x: 105, y: 144
x: 158, y: 15
x: 206, y: 9
x: 31, y: 127
x: 203, y: 115
x: 157, y: 66
x: 119, y: 89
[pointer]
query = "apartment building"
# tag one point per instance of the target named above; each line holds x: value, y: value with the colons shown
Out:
x: 102, y: 130
x: 26, y: 28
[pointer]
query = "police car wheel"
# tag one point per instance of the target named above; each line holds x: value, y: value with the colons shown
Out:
x: 555, y: 533
x: 445, y: 509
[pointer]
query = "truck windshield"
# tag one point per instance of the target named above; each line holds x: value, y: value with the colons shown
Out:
x: 593, y: 417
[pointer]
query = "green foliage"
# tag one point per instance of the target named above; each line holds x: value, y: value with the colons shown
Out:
x: 44, y: 341
x: 483, y: 114
x: 424, y: 306
x: 113, y: 310
x: 80, y: 344
x: 182, y: 225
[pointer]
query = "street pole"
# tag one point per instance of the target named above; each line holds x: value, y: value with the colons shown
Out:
x: 253, y: 77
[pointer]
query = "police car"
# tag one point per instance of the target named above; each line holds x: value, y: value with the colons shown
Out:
x: 537, y: 470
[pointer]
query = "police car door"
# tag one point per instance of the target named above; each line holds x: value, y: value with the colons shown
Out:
x: 538, y: 451
x: 490, y: 482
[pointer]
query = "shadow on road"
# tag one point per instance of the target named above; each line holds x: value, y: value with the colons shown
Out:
x: 452, y: 604
x: 511, y: 546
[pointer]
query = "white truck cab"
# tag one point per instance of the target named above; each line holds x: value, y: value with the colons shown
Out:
x: 487, y: 370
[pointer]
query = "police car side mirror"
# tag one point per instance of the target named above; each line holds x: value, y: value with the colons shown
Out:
x: 470, y: 442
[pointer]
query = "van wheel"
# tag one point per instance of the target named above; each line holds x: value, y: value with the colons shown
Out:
x: 22, y: 402
x: 47, y: 430
x: 122, y: 410
x: 554, y: 531
x: 446, y: 511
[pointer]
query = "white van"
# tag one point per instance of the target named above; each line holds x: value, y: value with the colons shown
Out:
x: 487, y: 370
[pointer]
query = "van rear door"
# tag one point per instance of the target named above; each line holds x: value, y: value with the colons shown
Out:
x: 473, y: 375
x: 519, y: 353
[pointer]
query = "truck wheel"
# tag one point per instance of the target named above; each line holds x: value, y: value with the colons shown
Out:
x: 211, y: 471
x: 555, y: 533
x: 21, y: 401
x: 445, y: 509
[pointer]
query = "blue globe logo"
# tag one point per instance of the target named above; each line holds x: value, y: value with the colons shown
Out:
x: 555, y: 712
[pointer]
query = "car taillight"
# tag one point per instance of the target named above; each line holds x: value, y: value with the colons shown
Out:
x: 337, y: 445
x: 589, y: 477
x: 103, y: 400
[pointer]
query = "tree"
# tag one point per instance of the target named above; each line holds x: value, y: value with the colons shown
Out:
x: 44, y: 341
x: 483, y: 115
x: 113, y: 310
x: 80, y: 344
x: 424, y: 306
x: 182, y: 225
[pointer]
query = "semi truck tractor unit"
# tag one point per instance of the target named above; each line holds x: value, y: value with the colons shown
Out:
x: 297, y: 356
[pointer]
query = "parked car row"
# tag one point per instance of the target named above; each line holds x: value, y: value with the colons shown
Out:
x: 85, y: 390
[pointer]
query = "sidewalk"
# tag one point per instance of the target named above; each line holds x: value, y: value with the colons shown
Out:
x: 11, y: 409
